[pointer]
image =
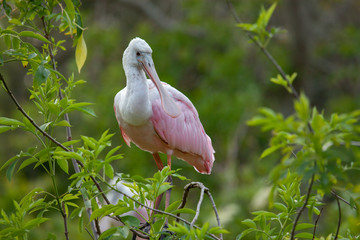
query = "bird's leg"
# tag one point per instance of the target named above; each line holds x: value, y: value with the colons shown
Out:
x: 168, y: 192
x: 160, y: 167
x: 158, y: 162
x: 169, y: 179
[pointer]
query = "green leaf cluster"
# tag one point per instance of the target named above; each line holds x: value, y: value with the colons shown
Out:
x: 17, y: 225
x: 258, y: 29
x: 278, y: 223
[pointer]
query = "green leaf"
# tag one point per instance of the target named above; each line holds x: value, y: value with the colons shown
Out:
x: 244, y: 233
x: 34, y: 222
x: 5, y: 128
x: 281, y: 207
x: 77, y: 212
x: 218, y: 230
x: 173, y: 206
x: 68, y: 143
x: 184, y: 210
x: 45, y: 126
x: 80, y: 52
x: 62, y: 123
x: 27, y: 162
x: 109, y: 171
x: 63, y: 164
x: 302, y: 226
x: 131, y: 221
x: 247, y: 27
x: 8, y: 162
x: 270, y: 150
x: 302, y: 107
x: 80, y: 107
x: 10, y: 170
x: 304, y: 235
x: 104, y: 210
x: 41, y: 75
x: 249, y: 223
x: 70, y: 8
x: 164, y: 187
x: 10, y: 121
x: 269, y: 13
x: 67, y: 155
x: 121, y: 210
x: 265, y: 213
x: 123, y: 232
x: 15, y: 21
x: 108, y: 233
x: 34, y: 35
x: 7, y: 41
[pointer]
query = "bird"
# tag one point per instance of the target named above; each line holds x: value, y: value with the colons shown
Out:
x: 158, y: 118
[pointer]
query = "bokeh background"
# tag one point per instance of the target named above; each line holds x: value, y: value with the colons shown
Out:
x: 198, y: 49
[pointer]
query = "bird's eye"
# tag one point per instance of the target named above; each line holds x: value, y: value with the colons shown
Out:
x: 138, y: 54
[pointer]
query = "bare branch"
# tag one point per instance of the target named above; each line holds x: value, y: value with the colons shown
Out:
x: 163, y: 212
x: 28, y: 117
x: 203, y: 189
x: 215, y: 211
x: 316, y: 221
x: 68, y: 129
x: 339, y: 220
x: 340, y: 198
x: 92, y: 237
x: 269, y: 57
x: 264, y: 50
x: 65, y: 223
x: 303, y: 207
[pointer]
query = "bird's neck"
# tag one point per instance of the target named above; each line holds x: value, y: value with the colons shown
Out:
x: 138, y: 107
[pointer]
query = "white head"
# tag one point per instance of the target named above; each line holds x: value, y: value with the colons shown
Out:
x: 136, y: 47
x: 138, y: 55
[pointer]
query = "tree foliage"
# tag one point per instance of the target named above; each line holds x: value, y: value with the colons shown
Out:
x: 309, y: 156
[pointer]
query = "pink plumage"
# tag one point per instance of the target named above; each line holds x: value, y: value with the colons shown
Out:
x: 157, y: 117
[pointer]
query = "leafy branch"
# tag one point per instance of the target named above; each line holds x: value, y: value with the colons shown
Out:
x: 290, y: 133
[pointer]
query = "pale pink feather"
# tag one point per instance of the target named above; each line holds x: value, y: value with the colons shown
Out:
x: 184, y: 133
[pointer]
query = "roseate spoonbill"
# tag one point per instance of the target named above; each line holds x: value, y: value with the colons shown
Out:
x: 156, y: 116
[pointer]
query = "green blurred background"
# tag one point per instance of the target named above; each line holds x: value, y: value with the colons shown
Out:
x: 198, y: 49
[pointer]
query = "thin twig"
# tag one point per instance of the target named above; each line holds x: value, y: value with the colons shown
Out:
x: 46, y: 134
x: 65, y: 222
x: 28, y: 117
x: 342, y: 199
x: 316, y: 221
x: 293, y: 92
x: 197, y: 213
x: 264, y: 50
x: 302, y: 207
x: 160, y: 211
x: 270, y: 57
x: 203, y: 189
x: 92, y: 237
x: 215, y: 211
x: 339, y: 220
x: 68, y: 129
x: 184, y: 198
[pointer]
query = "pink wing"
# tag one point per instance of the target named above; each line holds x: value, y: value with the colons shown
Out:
x: 185, y: 132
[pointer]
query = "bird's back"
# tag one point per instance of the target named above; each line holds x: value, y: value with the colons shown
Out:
x: 185, y: 133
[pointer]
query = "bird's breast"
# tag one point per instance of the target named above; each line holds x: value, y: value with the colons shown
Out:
x: 135, y: 108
